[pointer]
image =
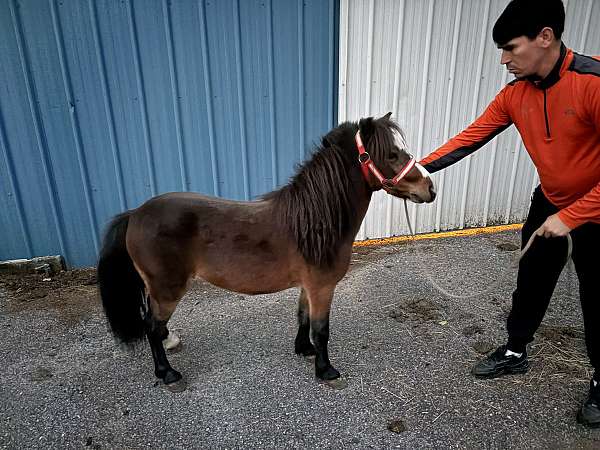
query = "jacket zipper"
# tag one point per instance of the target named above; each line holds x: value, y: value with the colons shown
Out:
x: 546, y: 117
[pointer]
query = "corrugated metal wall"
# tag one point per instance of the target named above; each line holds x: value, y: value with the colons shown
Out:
x: 105, y: 103
x: 434, y: 64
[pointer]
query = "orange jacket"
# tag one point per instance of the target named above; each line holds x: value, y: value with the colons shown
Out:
x: 559, y: 121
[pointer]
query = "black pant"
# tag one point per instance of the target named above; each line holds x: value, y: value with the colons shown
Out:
x: 539, y: 271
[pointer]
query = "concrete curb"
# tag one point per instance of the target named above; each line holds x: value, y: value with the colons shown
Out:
x: 48, y: 265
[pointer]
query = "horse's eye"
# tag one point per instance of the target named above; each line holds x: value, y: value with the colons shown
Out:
x: 394, y: 157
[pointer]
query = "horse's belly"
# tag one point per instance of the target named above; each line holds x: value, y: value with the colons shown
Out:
x: 251, y: 280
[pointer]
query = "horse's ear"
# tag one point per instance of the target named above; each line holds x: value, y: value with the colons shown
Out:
x: 366, y: 127
x: 387, y: 116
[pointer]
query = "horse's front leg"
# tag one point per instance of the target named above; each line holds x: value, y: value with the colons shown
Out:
x: 302, y: 345
x: 320, y: 306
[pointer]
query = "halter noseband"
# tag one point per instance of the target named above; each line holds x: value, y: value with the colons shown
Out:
x: 367, y: 164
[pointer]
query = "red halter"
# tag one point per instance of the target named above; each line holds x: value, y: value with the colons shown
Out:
x: 367, y: 164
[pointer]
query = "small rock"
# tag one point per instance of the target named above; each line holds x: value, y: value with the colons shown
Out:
x: 396, y: 426
x: 471, y: 330
x: 41, y: 374
x: 507, y: 247
x: 482, y: 347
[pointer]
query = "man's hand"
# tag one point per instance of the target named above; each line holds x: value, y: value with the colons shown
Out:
x: 553, y: 227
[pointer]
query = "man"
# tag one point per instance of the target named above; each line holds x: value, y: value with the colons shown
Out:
x: 555, y: 104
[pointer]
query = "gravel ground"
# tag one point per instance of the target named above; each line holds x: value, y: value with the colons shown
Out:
x: 404, y: 348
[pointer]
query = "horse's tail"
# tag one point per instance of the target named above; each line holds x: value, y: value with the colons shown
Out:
x: 121, y: 287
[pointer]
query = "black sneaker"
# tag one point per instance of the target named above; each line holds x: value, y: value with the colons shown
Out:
x: 497, y: 364
x: 589, y: 414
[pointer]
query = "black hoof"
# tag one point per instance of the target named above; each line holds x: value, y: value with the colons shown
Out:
x: 176, y: 387
x: 172, y: 376
x: 328, y: 374
x: 305, y: 350
x: 173, y: 381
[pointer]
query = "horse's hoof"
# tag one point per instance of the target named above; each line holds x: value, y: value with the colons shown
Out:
x: 176, y: 387
x: 305, y: 350
x: 175, y: 349
x: 308, y: 356
x: 338, y: 383
x: 172, y: 343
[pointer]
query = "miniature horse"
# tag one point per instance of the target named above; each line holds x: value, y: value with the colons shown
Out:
x: 300, y: 235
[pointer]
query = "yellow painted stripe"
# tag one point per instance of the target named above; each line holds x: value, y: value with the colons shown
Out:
x: 444, y: 234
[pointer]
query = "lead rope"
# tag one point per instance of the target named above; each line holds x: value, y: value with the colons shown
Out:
x: 498, y: 280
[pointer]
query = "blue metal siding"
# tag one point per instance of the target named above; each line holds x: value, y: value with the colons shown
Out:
x: 105, y: 103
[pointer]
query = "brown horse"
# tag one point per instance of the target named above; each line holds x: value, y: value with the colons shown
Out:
x: 300, y: 235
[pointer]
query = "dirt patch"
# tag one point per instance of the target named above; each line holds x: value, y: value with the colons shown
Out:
x: 420, y: 310
x: 560, y: 334
x: 40, y: 374
x: 71, y: 295
x: 472, y: 330
x: 507, y: 246
x: 561, y: 351
x: 483, y: 347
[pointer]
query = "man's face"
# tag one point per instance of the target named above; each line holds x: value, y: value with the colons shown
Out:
x: 522, y: 56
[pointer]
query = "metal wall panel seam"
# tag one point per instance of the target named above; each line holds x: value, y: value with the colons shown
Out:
x: 301, y: 104
x: 75, y: 128
x: 142, y: 97
x: 208, y: 97
x: 175, y: 93
x: 484, y: 37
x: 586, y: 26
x: 369, y: 68
x: 396, y: 100
x: 447, y: 113
x: 15, y: 188
x: 241, y: 103
x: 107, y: 105
x: 428, y: 37
x: 513, y: 176
x: 369, y: 63
x: 331, y: 56
x: 272, y: 117
x: 343, y: 61
x: 488, y: 189
x: 38, y: 130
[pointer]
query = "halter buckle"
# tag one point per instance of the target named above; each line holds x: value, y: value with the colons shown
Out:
x: 364, y: 158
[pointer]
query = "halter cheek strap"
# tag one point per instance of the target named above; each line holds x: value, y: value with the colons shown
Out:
x: 367, y: 164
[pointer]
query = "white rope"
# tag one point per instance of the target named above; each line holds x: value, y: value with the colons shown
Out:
x: 498, y: 280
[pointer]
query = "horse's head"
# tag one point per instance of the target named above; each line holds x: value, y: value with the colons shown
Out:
x: 399, y: 174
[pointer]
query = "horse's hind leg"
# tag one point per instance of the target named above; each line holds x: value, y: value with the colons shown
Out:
x: 302, y: 345
x: 155, y: 320
x: 320, y: 304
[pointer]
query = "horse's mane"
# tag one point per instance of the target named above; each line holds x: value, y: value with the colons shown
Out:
x: 317, y: 204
